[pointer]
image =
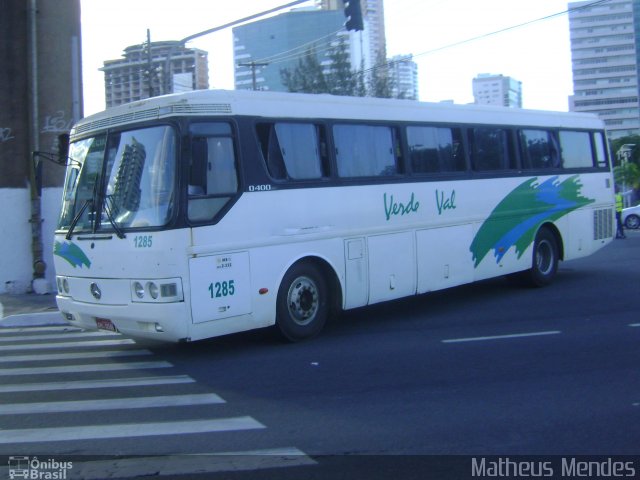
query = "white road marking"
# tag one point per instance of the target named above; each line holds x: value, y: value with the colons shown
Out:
x: 60, y: 345
x: 56, y: 336
x: 634, y: 324
x: 127, y: 430
x: 102, y: 367
x: 501, y: 337
x: 111, y: 404
x: 91, y: 384
x: 35, y: 357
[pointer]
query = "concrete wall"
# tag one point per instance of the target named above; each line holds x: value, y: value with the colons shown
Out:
x: 15, y: 237
x: 40, y: 97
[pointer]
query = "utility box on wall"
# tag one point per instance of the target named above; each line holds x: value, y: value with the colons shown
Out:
x: 41, y: 97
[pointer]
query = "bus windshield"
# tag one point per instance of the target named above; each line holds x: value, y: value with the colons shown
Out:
x: 120, y: 181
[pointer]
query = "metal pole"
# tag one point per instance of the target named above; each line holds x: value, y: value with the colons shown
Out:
x: 39, y: 265
x: 242, y: 20
x: 218, y: 28
x: 253, y: 66
x: 149, y: 64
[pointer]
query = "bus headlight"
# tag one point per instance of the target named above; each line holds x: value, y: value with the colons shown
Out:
x: 138, y: 289
x: 164, y: 290
x: 153, y: 290
x: 63, y: 285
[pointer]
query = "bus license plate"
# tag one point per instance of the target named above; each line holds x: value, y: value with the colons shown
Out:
x: 105, y: 324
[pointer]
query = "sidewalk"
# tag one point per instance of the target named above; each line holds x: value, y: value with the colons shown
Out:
x: 29, y: 310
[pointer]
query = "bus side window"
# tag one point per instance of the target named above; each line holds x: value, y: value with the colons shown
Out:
x: 275, y: 160
x: 364, y: 150
x: 198, y: 170
x: 539, y: 149
x: 600, y: 150
x: 490, y: 149
x: 435, y: 149
x: 576, y: 149
x: 213, y: 179
x: 293, y: 151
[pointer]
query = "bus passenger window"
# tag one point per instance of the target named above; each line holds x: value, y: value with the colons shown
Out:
x: 435, y: 149
x: 293, y: 150
x: 213, y: 179
x: 600, y: 150
x: 364, y: 150
x: 490, y: 149
x: 576, y: 149
x: 539, y: 149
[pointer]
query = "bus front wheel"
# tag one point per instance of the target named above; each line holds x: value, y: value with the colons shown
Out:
x: 302, y: 304
x: 545, y: 259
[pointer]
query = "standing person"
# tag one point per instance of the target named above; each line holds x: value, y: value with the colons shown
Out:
x: 620, y: 228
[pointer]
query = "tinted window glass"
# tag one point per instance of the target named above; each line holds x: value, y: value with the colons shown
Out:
x: 490, y: 149
x: 213, y: 179
x: 435, y: 149
x: 364, y: 150
x: 539, y: 149
x: 292, y: 150
x: 600, y: 149
x: 576, y: 149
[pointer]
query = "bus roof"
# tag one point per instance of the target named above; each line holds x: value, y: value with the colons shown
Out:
x: 310, y: 106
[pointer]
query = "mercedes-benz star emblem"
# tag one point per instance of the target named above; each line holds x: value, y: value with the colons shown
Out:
x: 95, y: 291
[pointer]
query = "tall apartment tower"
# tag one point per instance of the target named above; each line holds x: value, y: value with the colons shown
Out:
x: 169, y: 67
x: 404, y: 72
x: 604, y: 39
x: 497, y: 90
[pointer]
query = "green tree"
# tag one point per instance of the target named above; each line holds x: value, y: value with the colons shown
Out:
x: 307, y: 77
x: 627, y: 174
x: 626, y: 171
x: 380, y: 82
x: 617, y: 144
x: 341, y: 80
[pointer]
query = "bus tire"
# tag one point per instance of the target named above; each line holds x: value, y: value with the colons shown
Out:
x: 302, y: 305
x: 544, y: 264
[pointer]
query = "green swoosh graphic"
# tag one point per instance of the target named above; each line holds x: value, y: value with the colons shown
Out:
x: 72, y: 254
x: 516, y: 219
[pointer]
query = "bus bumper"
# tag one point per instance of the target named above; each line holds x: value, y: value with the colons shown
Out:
x: 162, y: 322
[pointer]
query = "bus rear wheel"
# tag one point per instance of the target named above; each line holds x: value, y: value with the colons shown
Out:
x: 302, y: 304
x: 545, y: 259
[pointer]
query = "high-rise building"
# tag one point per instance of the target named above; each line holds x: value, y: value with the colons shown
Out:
x: 497, y: 90
x: 262, y: 49
x: 404, y: 74
x: 604, y: 52
x: 373, y: 11
x: 169, y: 67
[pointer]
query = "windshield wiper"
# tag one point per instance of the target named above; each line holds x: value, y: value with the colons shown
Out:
x: 114, y: 224
x: 76, y: 219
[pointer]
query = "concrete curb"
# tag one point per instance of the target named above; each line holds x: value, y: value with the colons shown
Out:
x: 39, y: 319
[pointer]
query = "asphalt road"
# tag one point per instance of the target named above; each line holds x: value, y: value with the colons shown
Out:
x: 397, y: 390
x: 485, y: 369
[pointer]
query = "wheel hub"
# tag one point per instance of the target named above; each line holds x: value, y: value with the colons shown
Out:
x: 303, y: 300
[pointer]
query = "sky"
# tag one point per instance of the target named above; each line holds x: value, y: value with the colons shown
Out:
x: 537, y: 54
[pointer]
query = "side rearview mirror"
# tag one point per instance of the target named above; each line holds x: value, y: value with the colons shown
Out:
x: 63, y: 148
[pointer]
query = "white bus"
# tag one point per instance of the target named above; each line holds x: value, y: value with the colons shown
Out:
x: 206, y: 213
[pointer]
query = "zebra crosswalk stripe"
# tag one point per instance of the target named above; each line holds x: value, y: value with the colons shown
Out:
x: 127, y: 430
x: 111, y: 404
